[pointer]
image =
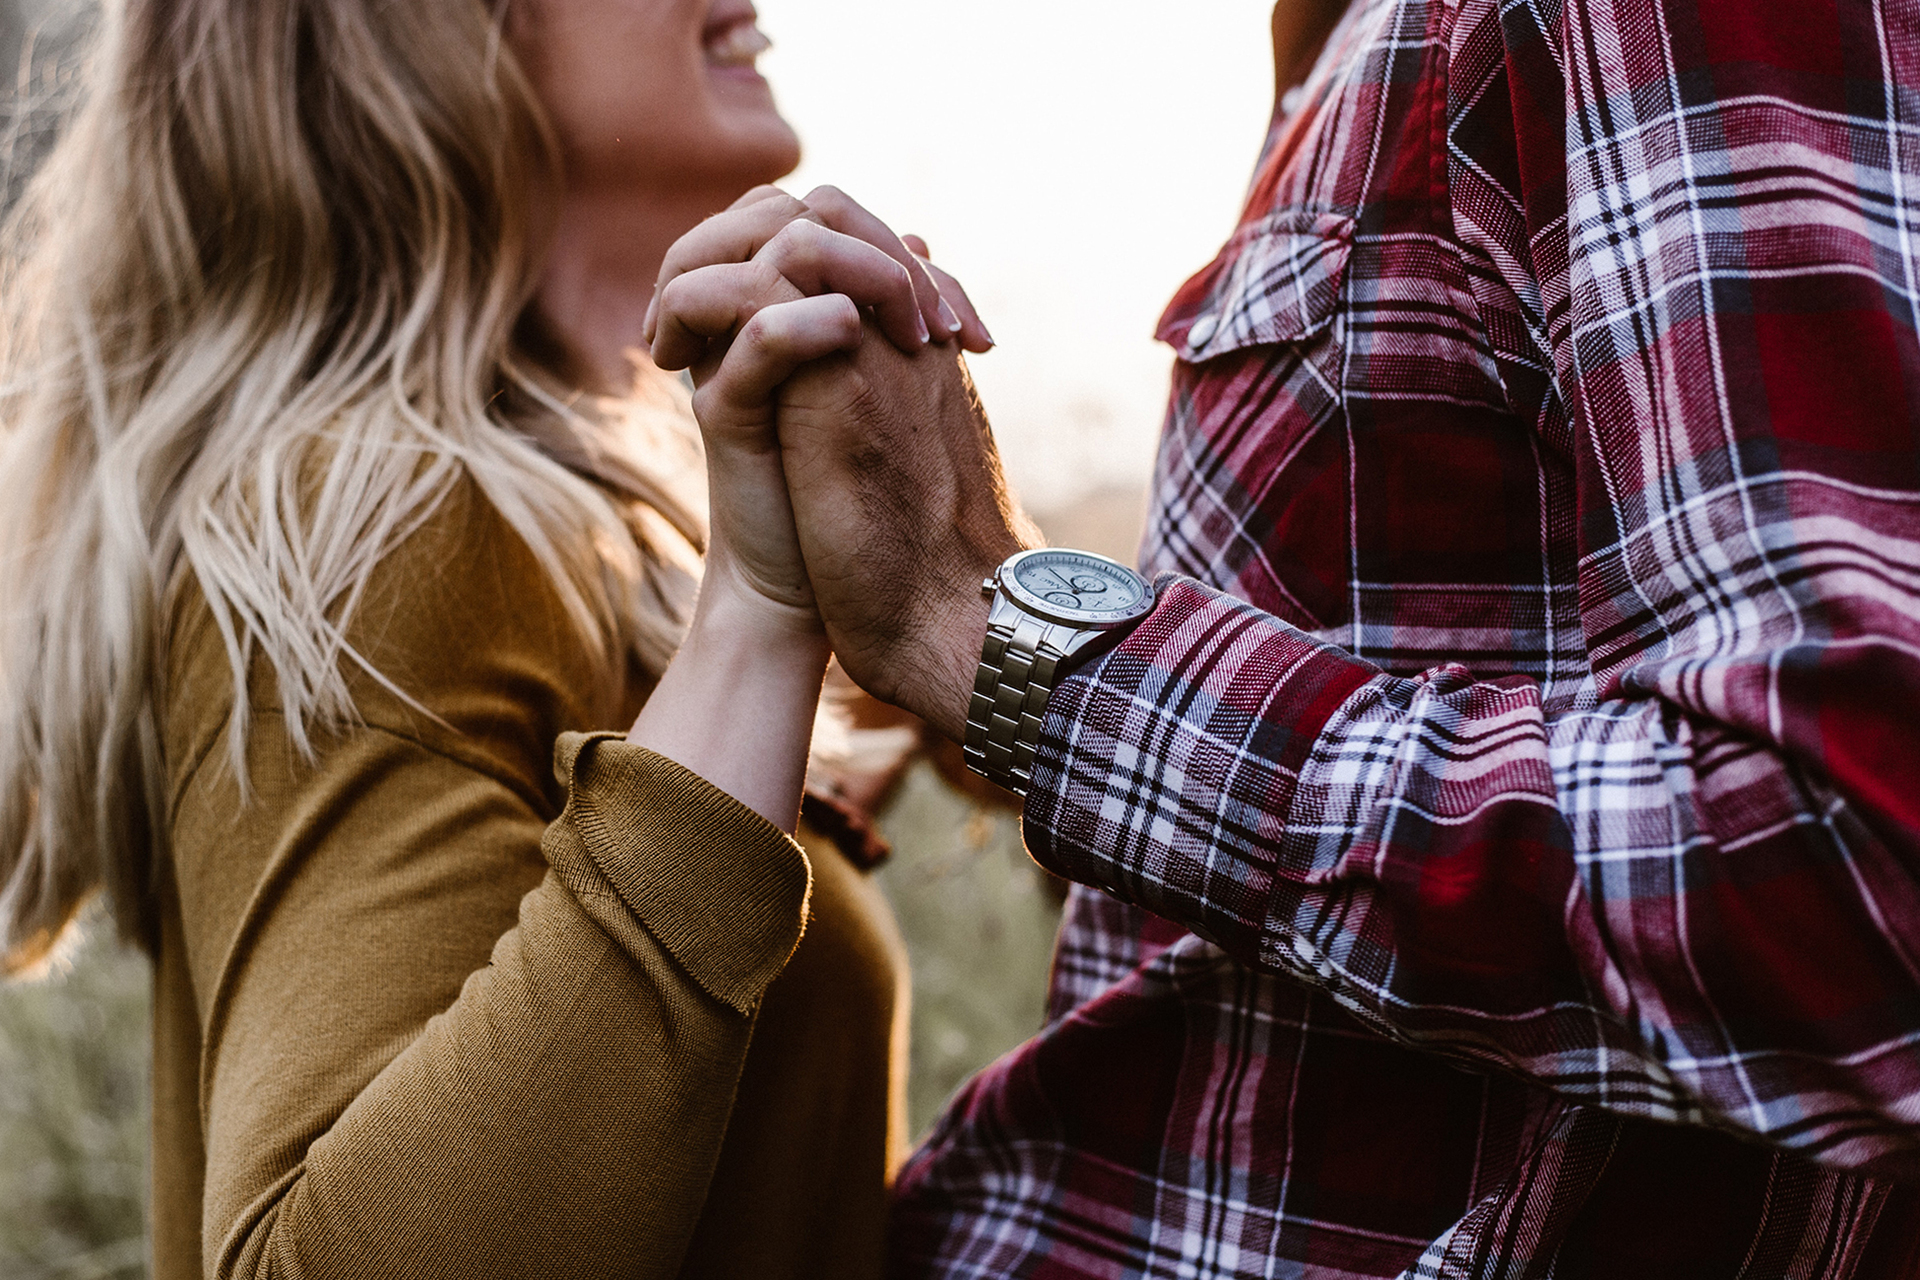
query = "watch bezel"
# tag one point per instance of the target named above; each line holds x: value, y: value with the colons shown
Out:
x: 1085, y: 619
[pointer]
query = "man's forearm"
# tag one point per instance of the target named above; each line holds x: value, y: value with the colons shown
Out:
x: 1459, y: 869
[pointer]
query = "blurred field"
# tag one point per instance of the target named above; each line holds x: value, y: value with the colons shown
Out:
x: 979, y: 923
x: 73, y: 1118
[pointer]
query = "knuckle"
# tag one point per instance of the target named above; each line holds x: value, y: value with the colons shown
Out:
x: 758, y: 335
x: 790, y: 208
x: 673, y: 295
x: 828, y: 197
x: 791, y: 236
x: 865, y: 403
x: 759, y: 274
x: 800, y: 243
x: 767, y: 283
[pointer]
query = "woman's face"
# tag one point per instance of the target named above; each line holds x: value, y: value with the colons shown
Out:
x: 655, y: 93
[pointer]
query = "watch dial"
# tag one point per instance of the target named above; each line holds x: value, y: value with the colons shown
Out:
x: 1077, y: 584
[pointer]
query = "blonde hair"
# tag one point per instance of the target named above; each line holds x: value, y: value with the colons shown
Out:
x: 263, y: 307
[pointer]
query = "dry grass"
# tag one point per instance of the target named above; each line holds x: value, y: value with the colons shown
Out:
x: 979, y: 924
x: 73, y: 1118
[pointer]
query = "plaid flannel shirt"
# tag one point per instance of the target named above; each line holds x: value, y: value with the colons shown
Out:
x: 1504, y: 833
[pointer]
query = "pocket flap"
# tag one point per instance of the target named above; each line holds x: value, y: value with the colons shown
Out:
x: 1277, y: 280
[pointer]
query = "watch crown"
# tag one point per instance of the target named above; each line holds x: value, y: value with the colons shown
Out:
x: 988, y: 587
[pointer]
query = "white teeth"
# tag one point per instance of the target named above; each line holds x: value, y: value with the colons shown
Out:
x: 737, y: 46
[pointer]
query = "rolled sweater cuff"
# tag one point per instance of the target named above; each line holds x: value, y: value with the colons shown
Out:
x: 723, y: 890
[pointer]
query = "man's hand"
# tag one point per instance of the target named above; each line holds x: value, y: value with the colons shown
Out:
x: 902, y: 511
x: 760, y: 220
x: 743, y: 300
x: 874, y: 464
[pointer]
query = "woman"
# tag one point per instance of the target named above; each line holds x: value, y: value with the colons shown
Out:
x: 333, y: 505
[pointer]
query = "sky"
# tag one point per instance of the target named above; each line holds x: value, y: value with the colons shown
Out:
x: 1071, y: 161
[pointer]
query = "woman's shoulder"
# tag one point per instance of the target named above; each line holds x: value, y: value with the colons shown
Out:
x: 460, y: 643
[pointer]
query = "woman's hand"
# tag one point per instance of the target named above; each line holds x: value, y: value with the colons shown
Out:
x: 748, y: 297
x: 745, y: 299
x: 756, y: 218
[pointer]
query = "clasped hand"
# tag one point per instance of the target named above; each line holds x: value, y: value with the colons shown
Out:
x: 852, y: 472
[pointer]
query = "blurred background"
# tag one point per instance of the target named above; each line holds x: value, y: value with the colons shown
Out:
x: 1071, y: 162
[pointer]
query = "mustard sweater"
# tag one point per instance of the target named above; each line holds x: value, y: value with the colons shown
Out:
x: 453, y: 1002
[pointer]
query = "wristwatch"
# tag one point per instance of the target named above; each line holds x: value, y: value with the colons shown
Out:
x: 1052, y: 609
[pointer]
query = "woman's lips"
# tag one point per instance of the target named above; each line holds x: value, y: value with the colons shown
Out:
x: 733, y: 48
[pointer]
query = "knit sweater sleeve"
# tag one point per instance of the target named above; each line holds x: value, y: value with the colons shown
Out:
x: 562, y: 1113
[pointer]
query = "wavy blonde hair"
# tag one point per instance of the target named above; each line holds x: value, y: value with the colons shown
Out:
x: 265, y: 304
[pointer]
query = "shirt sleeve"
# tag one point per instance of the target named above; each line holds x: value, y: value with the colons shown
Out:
x: 563, y: 1112
x: 1689, y: 895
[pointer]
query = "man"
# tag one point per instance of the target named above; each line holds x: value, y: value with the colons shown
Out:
x: 1496, y: 838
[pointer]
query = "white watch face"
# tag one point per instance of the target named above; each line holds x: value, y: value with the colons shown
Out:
x: 1076, y: 587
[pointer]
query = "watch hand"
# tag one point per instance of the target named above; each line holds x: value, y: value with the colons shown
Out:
x: 1064, y: 585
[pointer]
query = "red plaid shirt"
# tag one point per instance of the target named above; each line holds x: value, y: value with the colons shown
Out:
x: 1504, y: 835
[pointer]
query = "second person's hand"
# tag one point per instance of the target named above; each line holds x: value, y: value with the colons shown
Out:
x: 748, y: 297
x: 888, y: 468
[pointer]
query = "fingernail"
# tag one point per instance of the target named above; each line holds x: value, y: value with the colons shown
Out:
x: 947, y: 317
x: 926, y: 334
x: 988, y: 334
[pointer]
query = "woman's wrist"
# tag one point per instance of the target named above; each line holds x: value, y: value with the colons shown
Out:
x: 733, y: 612
x: 736, y: 705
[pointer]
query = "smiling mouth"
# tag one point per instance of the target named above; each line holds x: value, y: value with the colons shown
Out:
x: 735, y: 46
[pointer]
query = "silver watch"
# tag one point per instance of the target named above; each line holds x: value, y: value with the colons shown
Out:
x: 1052, y: 609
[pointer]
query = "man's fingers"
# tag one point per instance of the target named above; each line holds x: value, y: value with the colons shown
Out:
x: 973, y: 333
x: 770, y: 347
x: 817, y: 260
x: 848, y: 216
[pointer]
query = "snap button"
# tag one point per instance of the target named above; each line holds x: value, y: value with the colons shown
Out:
x: 1203, y: 329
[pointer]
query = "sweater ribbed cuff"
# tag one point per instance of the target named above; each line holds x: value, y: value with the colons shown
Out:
x: 721, y: 888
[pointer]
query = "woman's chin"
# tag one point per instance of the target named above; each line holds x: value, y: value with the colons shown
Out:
x: 764, y: 144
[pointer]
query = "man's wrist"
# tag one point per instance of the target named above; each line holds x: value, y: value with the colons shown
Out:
x: 952, y: 658
x: 958, y: 636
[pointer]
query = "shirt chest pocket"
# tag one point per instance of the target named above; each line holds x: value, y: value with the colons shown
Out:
x: 1278, y: 280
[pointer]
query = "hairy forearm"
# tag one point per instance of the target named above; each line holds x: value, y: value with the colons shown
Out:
x: 736, y: 705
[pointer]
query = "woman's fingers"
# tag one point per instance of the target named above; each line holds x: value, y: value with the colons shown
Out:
x: 848, y: 216
x: 972, y: 333
x: 767, y: 351
x: 802, y: 259
x: 730, y: 237
x: 756, y: 218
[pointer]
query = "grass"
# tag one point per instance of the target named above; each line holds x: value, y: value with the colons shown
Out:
x: 73, y: 1118
x: 979, y: 921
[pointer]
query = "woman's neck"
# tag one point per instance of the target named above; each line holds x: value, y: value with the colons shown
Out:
x: 604, y: 258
